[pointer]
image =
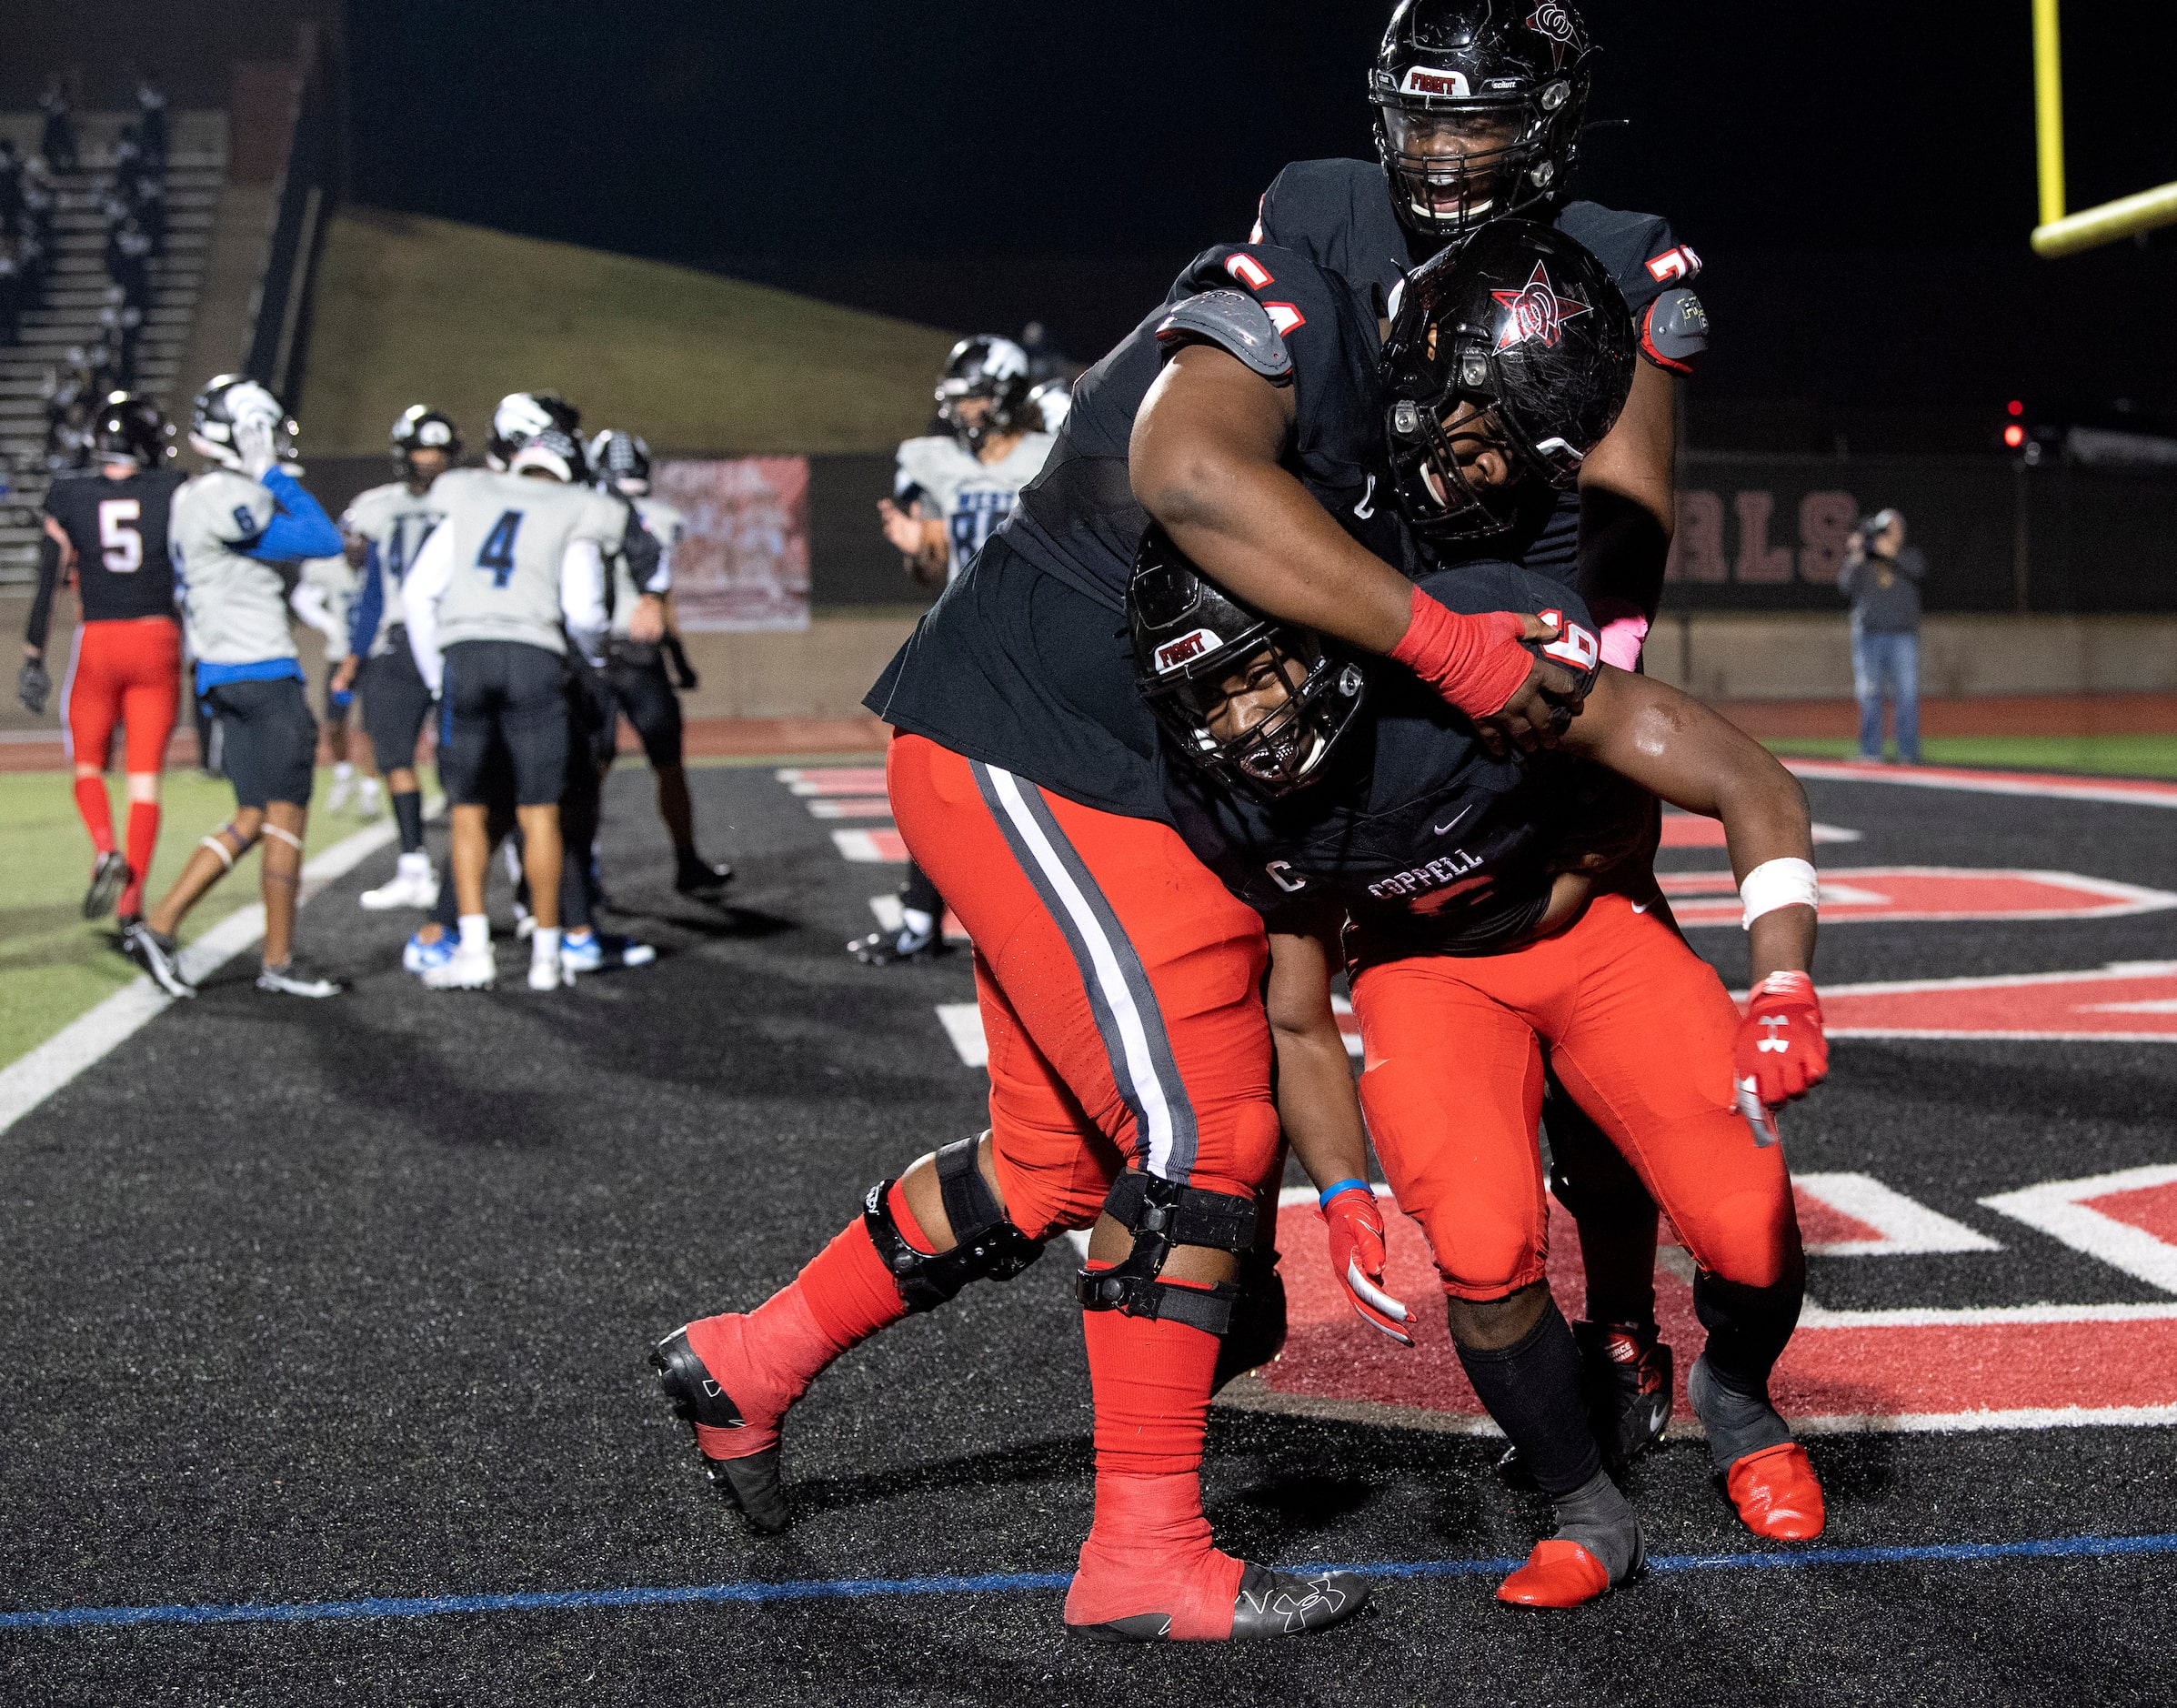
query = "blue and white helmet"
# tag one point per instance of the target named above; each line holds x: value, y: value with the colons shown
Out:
x: 229, y: 402
x: 989, y: 367
x: 620, y: 462
x: 537, y: 430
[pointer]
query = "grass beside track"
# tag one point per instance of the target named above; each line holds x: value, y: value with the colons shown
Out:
x: 692, y: 360
x: 56, y: 965
x: 2123, y: 755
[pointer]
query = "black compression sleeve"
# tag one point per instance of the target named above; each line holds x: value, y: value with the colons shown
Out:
x: 41, y: 607
x: 643, y: 552
x: 1622, y: 552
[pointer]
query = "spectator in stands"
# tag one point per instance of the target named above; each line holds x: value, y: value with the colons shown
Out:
x: 121, y: 324
x: 57, y: 141
x: 151, y: 123
x: 129, y: 261
x: 11, y: 185
x: 128, y: 155
x: 11, y: 293
x: 148, y: 201
x: 1881, y: 577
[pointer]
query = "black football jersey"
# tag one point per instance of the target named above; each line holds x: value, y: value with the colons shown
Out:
x: 119, y: 527
x: 1427, y: 841
x: 1024, y: 663
x: 1340, y: 215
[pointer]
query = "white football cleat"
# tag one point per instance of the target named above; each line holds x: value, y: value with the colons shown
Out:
x: 413, y: 885
x: 468, y: 967
x: 343, y: 788
x: 546, y: 973
x: 368, y: 800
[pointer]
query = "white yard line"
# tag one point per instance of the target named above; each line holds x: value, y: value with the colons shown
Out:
x: 32, y: 1079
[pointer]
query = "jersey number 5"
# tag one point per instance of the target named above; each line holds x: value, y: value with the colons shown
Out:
x: 121, y: 546
x: 496, y: 553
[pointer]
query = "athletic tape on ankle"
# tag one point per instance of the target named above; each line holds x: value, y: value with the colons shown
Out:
x: 1773, y: 884
x: 289, y: 837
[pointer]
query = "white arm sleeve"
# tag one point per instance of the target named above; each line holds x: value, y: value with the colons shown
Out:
x: 421, y: 590
x: 582, y: 595
x: 313, y: 604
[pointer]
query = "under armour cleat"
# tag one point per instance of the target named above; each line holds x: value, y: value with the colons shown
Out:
x: 596, y: 950
x: 698, y: 1400
x: 413, y: 885
x: 155, y: 951
x: 109, y: 878
x: 882, y: 948
x: 1626, y: 1373
x: 422, y: 953
x: 696, y: 875
x: 468, y: 967
x: 1776, y: 1493
x: 292, y: 979
x: 1271, y: 1603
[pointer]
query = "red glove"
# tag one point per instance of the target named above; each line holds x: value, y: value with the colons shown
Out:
x: 1477, y: 663
x: 1356, y: 1228
x: 1780, y: 1045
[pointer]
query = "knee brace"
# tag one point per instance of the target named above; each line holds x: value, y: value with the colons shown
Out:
x: 216, y: 843
x: 987, y: 1245
x: 1161, y: 1214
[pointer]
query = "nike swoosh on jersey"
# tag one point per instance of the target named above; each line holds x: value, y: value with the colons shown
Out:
x: 1452, y: 823
x: 1640, y: 907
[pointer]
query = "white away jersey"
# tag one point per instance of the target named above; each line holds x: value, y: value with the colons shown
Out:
x: 970, y: 497
x: 394, y: 522
x: 507, y: 535
x: 234, y: 607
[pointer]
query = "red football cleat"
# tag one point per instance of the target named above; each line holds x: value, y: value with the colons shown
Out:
x: 1776, y: 1493
x: 1557, y: 1574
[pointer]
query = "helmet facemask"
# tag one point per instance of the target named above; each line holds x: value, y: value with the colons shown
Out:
x: 1262, y: 714
x: 1452, y: 167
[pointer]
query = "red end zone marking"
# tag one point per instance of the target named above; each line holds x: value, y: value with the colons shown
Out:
x: 1859, y: 894
x: 2033, y: 1367
x: 871, y: 848
x: 2150, y: 1209
x: 2130, y: 1002
x: 838, y: 779
x: 1689, y: 829
x: 2130, y: 791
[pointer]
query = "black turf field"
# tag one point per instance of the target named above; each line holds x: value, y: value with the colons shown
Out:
x: 323, y: 1302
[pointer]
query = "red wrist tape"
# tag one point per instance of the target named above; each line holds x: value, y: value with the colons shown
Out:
x: 1476, y: 663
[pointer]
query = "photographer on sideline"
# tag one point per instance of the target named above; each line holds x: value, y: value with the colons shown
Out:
x: 1881, y: 577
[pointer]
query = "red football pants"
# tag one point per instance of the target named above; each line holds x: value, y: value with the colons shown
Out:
x: 124, y: 672
x: 1640, y: 1031
x: 1120, y: 988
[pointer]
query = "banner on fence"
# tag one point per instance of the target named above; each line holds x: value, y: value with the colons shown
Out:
x: 742, y: 562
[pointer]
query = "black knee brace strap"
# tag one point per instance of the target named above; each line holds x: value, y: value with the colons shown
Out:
x: 1161, y: 1214
x: 987, y: 1245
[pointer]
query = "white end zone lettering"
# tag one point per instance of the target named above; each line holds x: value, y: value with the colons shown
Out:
x: 1249, y: 271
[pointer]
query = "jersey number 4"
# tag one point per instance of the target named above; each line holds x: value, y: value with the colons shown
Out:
x: 496, y: 554
x: 121, y: 546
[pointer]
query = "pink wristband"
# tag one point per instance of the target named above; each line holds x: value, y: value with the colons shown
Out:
x: 1621, y: 640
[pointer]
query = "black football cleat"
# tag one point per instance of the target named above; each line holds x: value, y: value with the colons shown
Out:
x: 155, y: 951
x: 109, y: 878
x: 1626, y: 1373
x: 695, y: 876
x: 1270, y: 1604
x: 697, y: 1397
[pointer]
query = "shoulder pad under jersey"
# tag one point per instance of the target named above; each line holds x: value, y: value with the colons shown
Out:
x: 1236, y: 323
x: 1674, y: 330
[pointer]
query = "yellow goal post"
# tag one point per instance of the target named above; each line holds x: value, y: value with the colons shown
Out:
x: 2059, y: 233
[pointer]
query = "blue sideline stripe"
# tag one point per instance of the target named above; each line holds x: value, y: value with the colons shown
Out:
x: 997, y: 1582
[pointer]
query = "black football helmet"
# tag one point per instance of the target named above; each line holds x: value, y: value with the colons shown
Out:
x: 620, y: 462
x: 225, y: 404
x: 537, y: 430
x: 424, y: 429
x: 1449, y: 67
x: 1530, y: 329
x: 129, y: 429
x: 1190, y: 636
x: 986, y: 365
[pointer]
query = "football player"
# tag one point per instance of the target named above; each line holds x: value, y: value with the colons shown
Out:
x: 950, y: 491
x: 515, y: 564
x: 238, y: 531
x: 324, y: 598
x: 1119, y: 982
x: 632, y: 672
x: 106, y: 532
x: 1479, y: 113
x: 385, y: 527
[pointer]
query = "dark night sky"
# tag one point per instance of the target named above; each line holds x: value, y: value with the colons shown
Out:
x: 1858, y: 177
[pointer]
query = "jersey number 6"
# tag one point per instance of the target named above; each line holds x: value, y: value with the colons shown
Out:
x: 496, y: 553
x: 121, y: 546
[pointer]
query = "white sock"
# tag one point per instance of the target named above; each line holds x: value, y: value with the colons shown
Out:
x: 418, y: 864
x: 580, y: 934
x: 916, y: 920
x: 544, y: 943
x: 476, y: 930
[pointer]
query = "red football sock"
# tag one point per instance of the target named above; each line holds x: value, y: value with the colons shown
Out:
x: 1149, y: 1551
x: 767, y: 1359
x: 142, y: 839
x: 96, y: 810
